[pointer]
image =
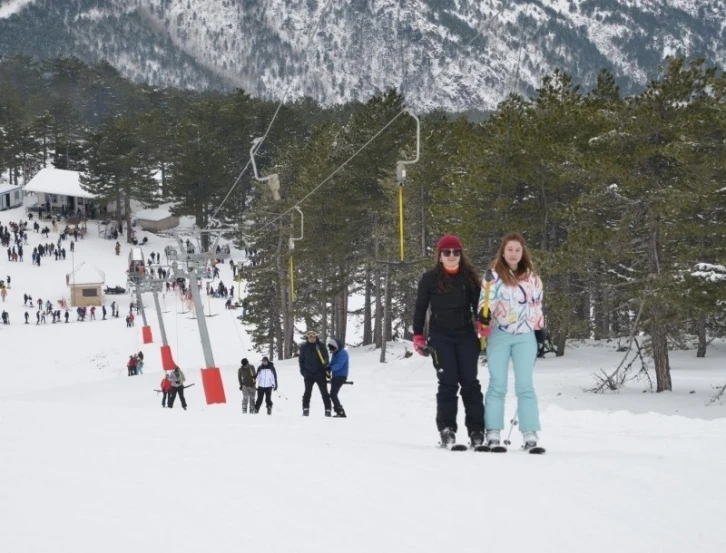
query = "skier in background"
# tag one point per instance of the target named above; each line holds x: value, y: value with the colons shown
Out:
x: 313, y: 360
x: 266, y: 382
x: 246, y: 377
x: 516, y: 310
x: 165, y: 389
x: 338, y: 373
x: 177, y: 388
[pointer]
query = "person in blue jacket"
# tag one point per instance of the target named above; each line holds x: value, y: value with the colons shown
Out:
x: 338, y: 373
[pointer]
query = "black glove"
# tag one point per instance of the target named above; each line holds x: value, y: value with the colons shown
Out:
x: 484, y: 319
x: 241, y: 387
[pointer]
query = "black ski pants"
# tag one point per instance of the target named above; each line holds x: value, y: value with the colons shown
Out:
x: 176, y: 391
x: 164, y: 397
x: 265, y: 393
x: 318, y: 379
x: 335, y: 385
x: 458, y: 359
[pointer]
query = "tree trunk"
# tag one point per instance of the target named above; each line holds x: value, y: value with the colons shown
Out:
x: 389, y: 306
x: 367, y: 316
x: 324, y: 308
x: 119, y: 218
x: 333, y: 316
x: 127, y: 214
x: 562, y: 329
x: 659, y: 343
x: 282, y: 321
x: 378, y: 327
x: 701, y: 329
x: 386, y: 313
x: 423, y: 220
x: 409, y: 303
x: 343, y: 326
x: 657, y: 328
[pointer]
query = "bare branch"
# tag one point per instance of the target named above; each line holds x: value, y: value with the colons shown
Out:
x: 614, y: 376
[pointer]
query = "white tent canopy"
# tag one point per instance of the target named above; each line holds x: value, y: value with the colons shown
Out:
x: 58, y: 181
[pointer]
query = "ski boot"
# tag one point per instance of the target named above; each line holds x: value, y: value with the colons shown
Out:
x: 530, y: 443
x: 244, y: 410
x: 448, y: 438
x: 476, y: 441
x: 340, y: 414
x: 327, y: 412
x: 306, y: 411
x: 494, y: 442
x: 269, y: 410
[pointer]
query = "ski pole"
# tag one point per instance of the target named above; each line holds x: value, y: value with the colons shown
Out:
x: 428, y: 350
x: 488, y: 279
x: 513, y: 423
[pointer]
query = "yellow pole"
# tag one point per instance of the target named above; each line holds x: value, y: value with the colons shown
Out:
x: 400, y: 218
x: 292, y: 279
x: 488, y: 278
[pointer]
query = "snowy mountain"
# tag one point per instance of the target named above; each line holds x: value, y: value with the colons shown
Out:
x: 452, y: 54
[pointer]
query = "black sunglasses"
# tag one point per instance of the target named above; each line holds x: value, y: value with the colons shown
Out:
x: 455, y: 253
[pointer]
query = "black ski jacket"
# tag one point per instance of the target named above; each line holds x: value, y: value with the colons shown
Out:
x: 311, y: 365
x: 452, y: 311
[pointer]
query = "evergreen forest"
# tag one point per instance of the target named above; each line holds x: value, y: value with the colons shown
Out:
x: 622, y: 199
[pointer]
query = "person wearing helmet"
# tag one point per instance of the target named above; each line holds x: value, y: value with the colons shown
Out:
x: 338, y: 373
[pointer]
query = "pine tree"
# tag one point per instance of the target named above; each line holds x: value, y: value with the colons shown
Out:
x: 119, y: 170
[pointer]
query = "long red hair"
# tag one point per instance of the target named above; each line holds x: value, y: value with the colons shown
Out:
x: 524, y: 267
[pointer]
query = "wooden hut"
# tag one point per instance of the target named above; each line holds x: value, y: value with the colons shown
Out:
x: 86, y: 285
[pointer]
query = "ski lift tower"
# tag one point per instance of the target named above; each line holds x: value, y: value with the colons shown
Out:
x: 189, y: 264
x: 401, y: 175
x: 137, y: 275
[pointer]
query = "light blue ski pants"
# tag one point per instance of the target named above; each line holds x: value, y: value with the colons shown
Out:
x: 522, y: 349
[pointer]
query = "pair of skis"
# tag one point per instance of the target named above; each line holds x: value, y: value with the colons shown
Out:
x: 536, y: 450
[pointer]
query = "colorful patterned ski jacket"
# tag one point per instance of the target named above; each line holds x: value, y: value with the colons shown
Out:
x: 518, y: 309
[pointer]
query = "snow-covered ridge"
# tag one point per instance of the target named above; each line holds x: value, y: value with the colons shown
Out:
x: 361, y: 47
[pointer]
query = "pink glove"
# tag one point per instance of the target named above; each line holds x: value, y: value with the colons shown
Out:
x: 483, y: 331
x: 419, y: 342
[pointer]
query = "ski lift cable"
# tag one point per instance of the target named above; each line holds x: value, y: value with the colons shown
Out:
x: 480, y: 30
x: 277, y: 110
x: 515, y: 83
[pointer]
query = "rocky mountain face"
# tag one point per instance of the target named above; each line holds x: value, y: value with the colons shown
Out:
x: 456, y: 55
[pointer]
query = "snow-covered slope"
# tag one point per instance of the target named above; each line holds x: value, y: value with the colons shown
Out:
x: 91, y: 462
x: 427, y: 48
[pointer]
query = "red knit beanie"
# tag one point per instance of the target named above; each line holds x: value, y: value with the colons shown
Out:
x: 449, y: 241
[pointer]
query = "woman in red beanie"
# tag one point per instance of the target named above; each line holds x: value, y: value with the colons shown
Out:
x: 451, y: 290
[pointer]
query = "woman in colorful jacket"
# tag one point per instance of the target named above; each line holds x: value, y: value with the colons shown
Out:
x: 515, y: 301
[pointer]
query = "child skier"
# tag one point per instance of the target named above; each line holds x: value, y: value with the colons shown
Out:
x: 165, y: 389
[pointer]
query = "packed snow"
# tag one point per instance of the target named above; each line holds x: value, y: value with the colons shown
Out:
x: 91, y: 462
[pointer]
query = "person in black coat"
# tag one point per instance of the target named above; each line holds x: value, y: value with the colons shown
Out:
x: 451, y: 291
x: 313, y: 367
